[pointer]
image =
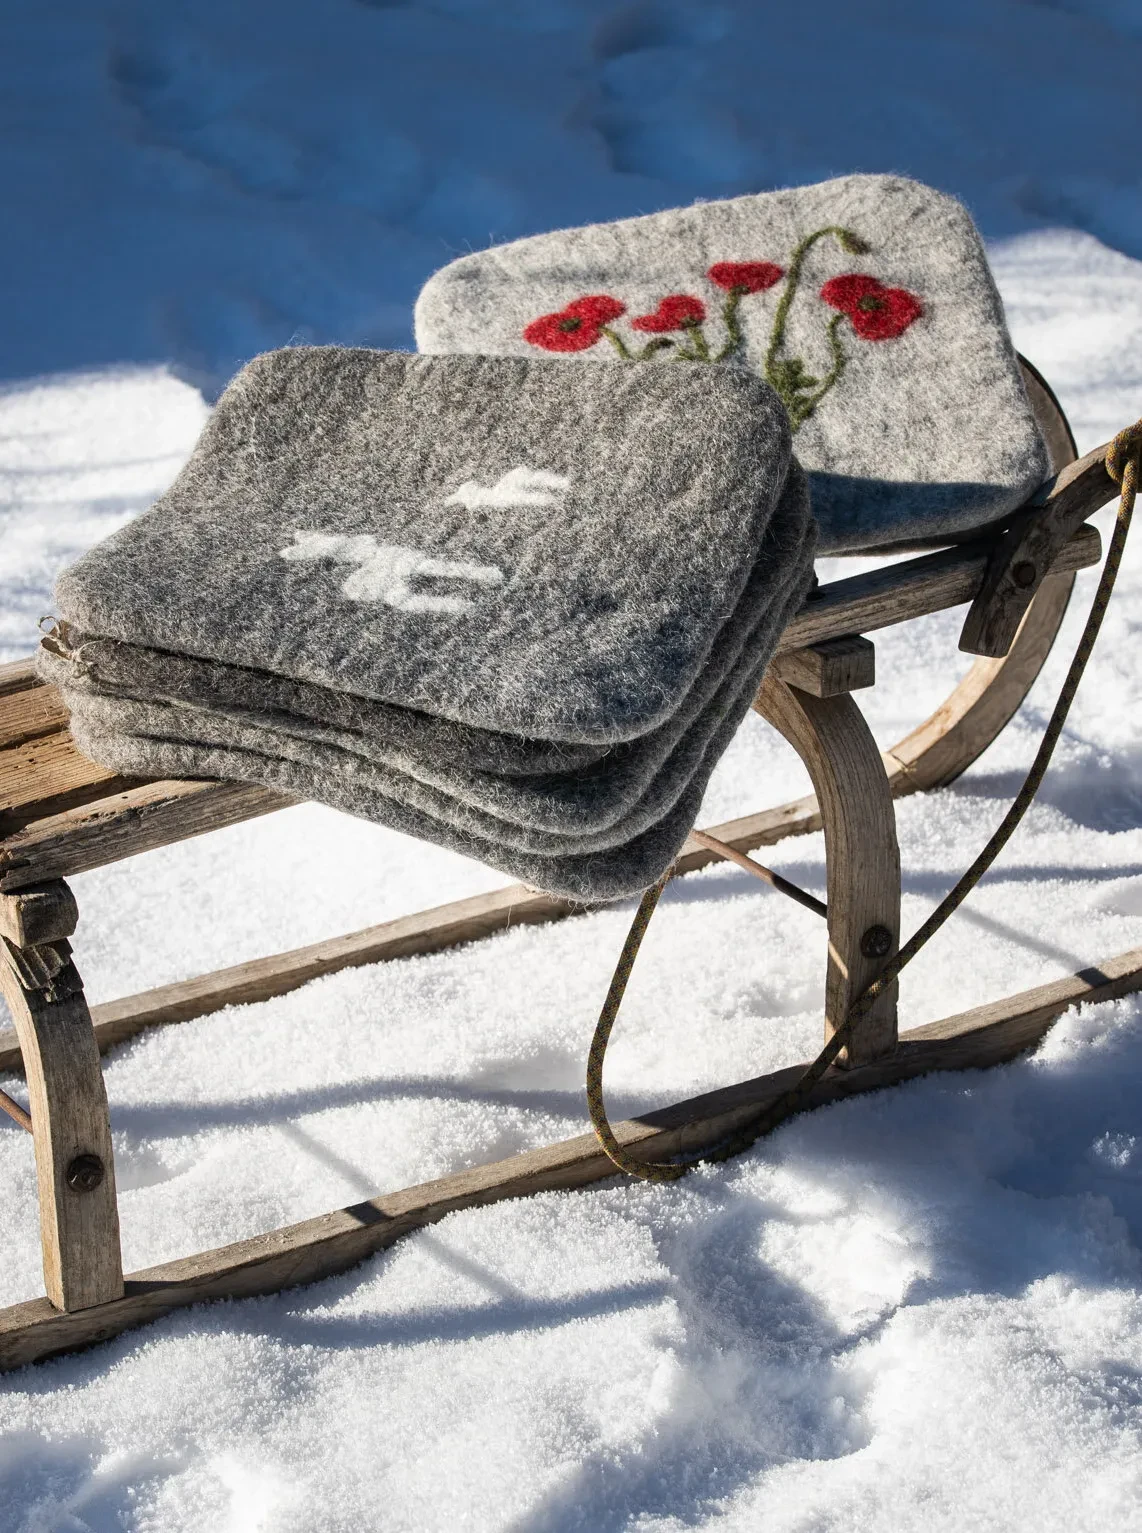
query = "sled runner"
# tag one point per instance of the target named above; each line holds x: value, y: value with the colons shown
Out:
x: 60, y: 814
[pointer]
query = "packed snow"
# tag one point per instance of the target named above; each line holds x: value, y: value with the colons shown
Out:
x: 918, y: 1310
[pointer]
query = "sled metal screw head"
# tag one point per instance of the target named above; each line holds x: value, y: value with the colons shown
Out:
x: 876, y: 942
x: 84, y: 1173
x: 1024, y: 573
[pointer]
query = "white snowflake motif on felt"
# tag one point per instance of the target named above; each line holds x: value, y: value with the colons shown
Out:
x: 385, y: 571
x: 518, y: 487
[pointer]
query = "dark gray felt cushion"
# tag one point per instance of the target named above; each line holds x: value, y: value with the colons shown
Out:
x: 514, y: 544
x: 640, y: 776
x: 187, y: 742
x: 927, y: 431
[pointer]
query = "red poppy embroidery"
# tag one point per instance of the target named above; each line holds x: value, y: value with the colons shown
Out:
x: 596, y: 308
x: 878, y: 313
x: 677, y: 312
x: 577, y: 326
x: 745, y: 276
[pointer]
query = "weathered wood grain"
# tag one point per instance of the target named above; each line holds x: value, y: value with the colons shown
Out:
x: 897, y: 593
x: 137, y: 819
x: 829, y: 668
x: 43, y: 913
x: 862, y: 858
x: 79, y: 1224
x: 321, y: 1247
x: 1028, y: 551
x: 30, y: 713
x: 46, y: 776
x: 16, y: 675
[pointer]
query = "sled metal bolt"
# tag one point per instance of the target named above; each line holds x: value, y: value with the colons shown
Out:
x: 84, y: 1173
x: 1024, y: 573
x: 876, y: 942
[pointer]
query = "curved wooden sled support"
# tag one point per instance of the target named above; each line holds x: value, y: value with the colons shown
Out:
x: 75, y: 1166
x: 862, y: 858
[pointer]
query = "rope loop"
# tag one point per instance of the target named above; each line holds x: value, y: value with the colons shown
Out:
x: 1125, y: 452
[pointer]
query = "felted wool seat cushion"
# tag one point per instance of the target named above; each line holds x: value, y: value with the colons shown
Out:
x: 865, y: 301
x: 638, y: 778
x: 514, y: 544
x: 601, y: 807
x: 584, y: 870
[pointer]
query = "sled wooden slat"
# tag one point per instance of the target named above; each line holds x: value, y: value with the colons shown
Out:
x: 137, y: 819
x: 106, y: 818
x: 17, y: 675
x: 897, y: 593
x: 48, y: 774
x: 30, y: 713
x: 321, y: 1247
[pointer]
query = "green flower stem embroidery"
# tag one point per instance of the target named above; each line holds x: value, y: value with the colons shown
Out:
x: 699, y: 352
x: 617, y: 342
x: 798, y: 390
x: 658, y: 344
x: 734, y: 337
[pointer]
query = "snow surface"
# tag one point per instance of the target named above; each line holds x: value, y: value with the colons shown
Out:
x: 916, y: 1310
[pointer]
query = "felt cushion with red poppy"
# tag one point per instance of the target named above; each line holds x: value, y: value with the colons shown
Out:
x: 926, y: 431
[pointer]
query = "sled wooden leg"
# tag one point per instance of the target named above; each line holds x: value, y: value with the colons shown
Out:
x: 75, y: 1170
x: 862, y: 856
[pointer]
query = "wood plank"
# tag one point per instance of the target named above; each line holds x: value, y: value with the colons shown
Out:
x: 1029, y: 548
x: 896, y: 593
x: 135, y: 819
x: 18, y: 675
x: 334, y: 1242
x: 30, y: 713
x: 45, y: 773
x: 75, y: 1167
x: 829, y: 668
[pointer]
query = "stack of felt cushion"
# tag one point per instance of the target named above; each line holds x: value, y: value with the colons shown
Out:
x: 511, y: 605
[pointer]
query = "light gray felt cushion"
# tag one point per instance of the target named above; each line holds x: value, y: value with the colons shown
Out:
x: 926, y: 431
x: 511, y: 543
x: 635, y: 781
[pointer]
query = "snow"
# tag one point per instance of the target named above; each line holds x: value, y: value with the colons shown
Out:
x: 916, y: 1310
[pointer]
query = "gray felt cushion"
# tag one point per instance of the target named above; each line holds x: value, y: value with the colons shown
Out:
x: 380, y: 786
x: 514, y: 544
x: 634, y: 780
x: 885, y: 337
x: 585, y: 871
x: 405, y: 736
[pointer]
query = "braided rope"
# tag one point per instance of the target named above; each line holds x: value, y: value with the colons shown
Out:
x: 1124, y: 465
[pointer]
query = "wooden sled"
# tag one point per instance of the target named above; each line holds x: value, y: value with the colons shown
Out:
x: 60, y: 814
